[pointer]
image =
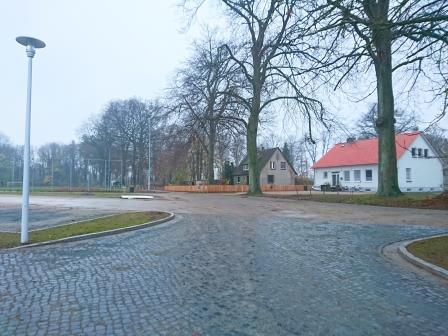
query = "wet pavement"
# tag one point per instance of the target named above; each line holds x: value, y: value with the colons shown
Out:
x: 271, y: 270
x: 45, y: 216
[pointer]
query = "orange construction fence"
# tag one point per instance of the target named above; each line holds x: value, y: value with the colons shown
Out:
x: 225, y: 188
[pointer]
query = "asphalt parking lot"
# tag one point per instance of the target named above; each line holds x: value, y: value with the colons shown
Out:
x: 44, y: 216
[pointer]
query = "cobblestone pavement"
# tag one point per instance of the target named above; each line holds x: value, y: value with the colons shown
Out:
x: 223, y: 275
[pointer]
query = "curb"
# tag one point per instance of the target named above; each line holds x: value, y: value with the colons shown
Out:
x: 97, y: 234
x: 436, y: 270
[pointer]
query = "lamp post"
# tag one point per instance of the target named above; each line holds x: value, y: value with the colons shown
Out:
x: 149, y: 155
x: 31, y: 44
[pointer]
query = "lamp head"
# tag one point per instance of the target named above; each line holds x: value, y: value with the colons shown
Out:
x: 30, y: 41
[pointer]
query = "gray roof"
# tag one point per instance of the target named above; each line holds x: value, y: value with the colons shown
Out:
x: 263, y: 157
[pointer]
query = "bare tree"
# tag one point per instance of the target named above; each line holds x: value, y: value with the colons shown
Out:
x: 438, y: 138
x: 268, y: 39
x: 395, y: 37
x: 366, y: 126
x: 237, y: 149
x: 7, y: 157
x: 201, y: 97
x: 122, y: 133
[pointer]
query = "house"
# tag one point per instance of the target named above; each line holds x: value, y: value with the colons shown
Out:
x: 354, y: 164
x: 274, y: 168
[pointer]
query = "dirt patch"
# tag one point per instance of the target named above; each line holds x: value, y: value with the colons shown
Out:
x: 438, y: 202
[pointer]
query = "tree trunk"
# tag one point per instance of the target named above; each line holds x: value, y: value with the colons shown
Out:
x: 387, y: 157
x: 211, y: 153
x: 252, y: 155
x: 134, y: 166
x: 124, y: 165
x: 252, y: 125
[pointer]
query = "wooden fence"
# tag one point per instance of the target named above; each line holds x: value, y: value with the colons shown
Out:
x: 232, y: 188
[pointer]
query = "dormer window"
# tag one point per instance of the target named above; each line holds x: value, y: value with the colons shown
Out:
x: 245, y: 167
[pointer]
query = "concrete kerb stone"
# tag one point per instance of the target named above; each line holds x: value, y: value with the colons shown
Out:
x: 434, y: 269
x: 98, y: 234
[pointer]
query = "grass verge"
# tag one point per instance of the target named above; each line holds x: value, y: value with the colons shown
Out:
x: 435, y: 201
x: 9, y: 239
x: 432, y: 250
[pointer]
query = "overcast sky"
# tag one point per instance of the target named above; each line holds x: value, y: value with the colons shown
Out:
x: 97, y: 50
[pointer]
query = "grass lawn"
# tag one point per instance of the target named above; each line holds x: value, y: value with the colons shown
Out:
x: 8, y: 239
x: 433, y: 250
x: 407, y: 200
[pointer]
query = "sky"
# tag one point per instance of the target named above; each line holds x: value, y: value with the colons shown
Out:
x: 97, y: 51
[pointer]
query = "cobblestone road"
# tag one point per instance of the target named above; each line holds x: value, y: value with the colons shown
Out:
x: 223, y: 275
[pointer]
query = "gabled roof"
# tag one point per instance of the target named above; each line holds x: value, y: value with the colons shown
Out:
x: 264, y: 156
x: 362, y: 152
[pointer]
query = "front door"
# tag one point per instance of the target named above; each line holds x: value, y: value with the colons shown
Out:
x: 334, y: 179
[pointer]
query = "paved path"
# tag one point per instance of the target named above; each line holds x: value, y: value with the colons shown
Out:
x: 269, y: 270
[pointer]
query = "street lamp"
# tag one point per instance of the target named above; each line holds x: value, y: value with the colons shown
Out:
x: 31, y: 44
x: 149, y: 154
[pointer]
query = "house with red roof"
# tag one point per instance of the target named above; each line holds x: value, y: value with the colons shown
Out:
x: 354, y: 164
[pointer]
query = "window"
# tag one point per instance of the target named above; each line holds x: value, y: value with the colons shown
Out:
x: 270, y: 179
x: 414, y: 150
x: 426, y: 153
x: 325, y: 175
x: 238, y: 180
x: 357, y: 176
x: 347, y: 175
x: 369, y: 175
x: 419, y: 152
x: 283, y: 165
x: 245, y: 167
x: 408, y: 175
x: 272, y: 164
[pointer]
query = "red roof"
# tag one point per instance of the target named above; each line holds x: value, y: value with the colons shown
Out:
x: 362, y: 152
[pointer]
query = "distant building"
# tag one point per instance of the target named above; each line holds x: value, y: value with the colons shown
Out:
x: 355, y: 164
x: 274, y: 168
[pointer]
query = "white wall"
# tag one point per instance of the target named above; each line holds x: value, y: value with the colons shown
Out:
x: 365, y: 185
x: 426, y: 173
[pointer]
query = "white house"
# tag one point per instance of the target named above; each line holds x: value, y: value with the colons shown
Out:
x: 355, y: 164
